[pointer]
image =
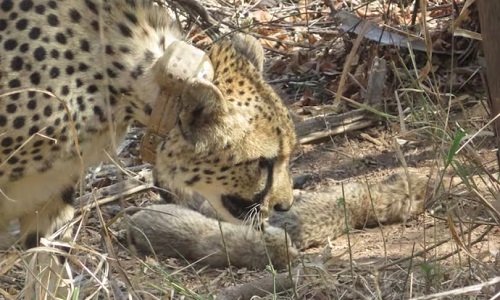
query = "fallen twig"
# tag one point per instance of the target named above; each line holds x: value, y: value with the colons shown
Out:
x: 319, y: 127
x: 200, y: 14
x: 142, y: 182
x: 461, y: 291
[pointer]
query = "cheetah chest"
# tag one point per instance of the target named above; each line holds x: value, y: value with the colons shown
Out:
x: 42, y: 181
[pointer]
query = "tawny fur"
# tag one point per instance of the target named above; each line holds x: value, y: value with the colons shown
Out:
x: 317, y: 216
x: 95, y: 67
x: 170, y: 230
x: 74, y: 74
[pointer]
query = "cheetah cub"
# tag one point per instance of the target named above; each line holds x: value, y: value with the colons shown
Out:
x: 317, y: 216
x: 171, y: 230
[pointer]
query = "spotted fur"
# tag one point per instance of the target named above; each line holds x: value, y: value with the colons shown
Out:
x: 75, y: 73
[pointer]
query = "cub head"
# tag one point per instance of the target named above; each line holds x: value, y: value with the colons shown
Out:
x: 233, y: 139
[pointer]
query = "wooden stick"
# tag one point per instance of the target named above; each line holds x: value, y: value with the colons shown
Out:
x: 142, y: 182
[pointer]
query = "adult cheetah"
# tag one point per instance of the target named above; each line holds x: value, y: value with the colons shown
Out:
x: 75, y: 73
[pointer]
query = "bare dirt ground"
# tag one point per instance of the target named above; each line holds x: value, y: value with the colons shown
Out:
x: 438, y: 252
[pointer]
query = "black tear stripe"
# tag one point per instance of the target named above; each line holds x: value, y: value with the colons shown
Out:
x: 238, y: 206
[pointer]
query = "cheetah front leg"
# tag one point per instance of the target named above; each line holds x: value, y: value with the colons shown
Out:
x: 47, y: 271
x: 53, y: 215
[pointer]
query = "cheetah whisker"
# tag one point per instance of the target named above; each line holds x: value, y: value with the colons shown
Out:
x: 253, y: 216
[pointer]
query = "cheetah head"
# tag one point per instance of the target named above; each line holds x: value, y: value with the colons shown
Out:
x: 233, y: 139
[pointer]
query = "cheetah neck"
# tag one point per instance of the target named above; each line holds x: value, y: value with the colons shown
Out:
x: 138, y: 88
x: 129, y: 60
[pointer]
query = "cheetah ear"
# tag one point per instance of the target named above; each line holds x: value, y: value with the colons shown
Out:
x: 202, y: 113
x: 249, y: 47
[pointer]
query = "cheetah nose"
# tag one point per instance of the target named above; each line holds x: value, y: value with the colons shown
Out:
x: 282, y: 207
